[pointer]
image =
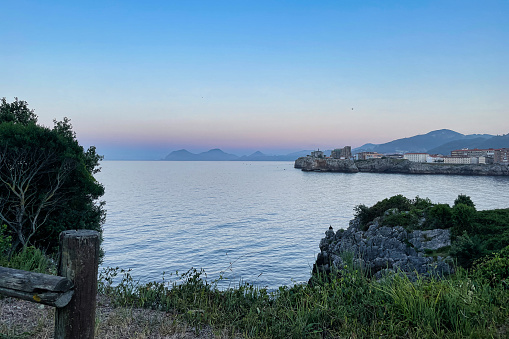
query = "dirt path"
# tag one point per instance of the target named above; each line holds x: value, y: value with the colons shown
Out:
x: 22, y: 319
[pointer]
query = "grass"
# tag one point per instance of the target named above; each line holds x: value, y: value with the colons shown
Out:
x: 344, y: 304
x: 347, y: 305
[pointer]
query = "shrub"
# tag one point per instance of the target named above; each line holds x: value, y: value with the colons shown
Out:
x: 465, y: 200
x: 466, y: 249
x: 367, y: 214
x: 440, y: 216
x: 404, y: 219
x: 493, y: 268
x: 463, y: 218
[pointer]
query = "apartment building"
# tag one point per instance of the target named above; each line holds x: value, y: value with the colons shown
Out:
x: 416, y: 157
x: 475, y: 152
x: 501, y: 156
x: 369, y: 155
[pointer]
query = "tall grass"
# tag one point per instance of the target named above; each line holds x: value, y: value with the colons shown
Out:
x: 30, y: 259
x: 345, y: 305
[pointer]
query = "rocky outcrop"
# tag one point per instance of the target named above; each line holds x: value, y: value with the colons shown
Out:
x: 397, y: 166
x: 381, y: 249
x: 326, y: 165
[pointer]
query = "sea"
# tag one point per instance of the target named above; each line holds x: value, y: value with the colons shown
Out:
x: 248, y: 222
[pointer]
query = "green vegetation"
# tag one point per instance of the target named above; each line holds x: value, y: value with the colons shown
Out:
x: 46, y: 181
x: 349, y: 304
x: 474, y: 233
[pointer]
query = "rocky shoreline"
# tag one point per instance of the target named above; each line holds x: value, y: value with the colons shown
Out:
x: 401, y: 166
x: 380, y: 250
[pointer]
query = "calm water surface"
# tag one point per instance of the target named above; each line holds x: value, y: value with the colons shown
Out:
x: 256, y: 221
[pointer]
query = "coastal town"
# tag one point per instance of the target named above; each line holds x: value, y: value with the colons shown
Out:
x: 461, y: 156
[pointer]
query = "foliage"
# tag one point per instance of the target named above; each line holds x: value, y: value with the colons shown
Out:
x: 46, y: 179
x: 466, y: 249
x: 16, y: 112
x: 492, y: 227
x: 459, y: 306
x: 463, y: 218
x: 405, y: 219
x: 5, y: 241
x: 30, y: 259
x: 366, y: 214
x: 474, y: 233
x: 465, y: 200
x: 440, y: 216
x: 494, y: 268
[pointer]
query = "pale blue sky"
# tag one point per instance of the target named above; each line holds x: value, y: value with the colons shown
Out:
x: 277, y: 76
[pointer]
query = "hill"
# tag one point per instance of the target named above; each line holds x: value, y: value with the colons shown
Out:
x: 500, y: 141
x: 218, y: 155
x: 421, y: 143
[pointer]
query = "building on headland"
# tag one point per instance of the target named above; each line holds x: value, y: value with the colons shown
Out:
x: 394, y: 156
x: 317, y: 154
x: 458, y: 160
x: 369, y: 155
x: 501, y: 156
x: 342, y: 153
x: 435, y: 158
x: 416, y: 157
x: 475, y: 152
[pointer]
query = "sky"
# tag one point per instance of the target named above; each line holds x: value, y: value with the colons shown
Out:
x: 139, y: 79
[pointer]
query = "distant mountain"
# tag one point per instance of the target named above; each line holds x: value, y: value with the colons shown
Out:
x: 181, y: 155
x: 482, y: 141
x: 218, y: 155
x: 446, y: 148
x: 499, y: 141
x: 420, y: 143
x: 212, y: 155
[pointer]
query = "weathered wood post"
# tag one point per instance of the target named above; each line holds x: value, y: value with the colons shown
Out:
x: 79, y: 259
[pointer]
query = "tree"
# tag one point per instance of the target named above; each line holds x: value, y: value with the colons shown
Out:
x: 46, y: 179
x: 17, y: 112
x: 465, y: 200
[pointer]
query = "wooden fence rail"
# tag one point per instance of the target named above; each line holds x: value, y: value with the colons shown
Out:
x: 73, y: 292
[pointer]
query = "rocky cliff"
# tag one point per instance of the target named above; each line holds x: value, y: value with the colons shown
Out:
x: 397, y: 166
x: 381, y: 249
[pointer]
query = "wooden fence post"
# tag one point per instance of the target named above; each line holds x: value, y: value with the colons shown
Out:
x: 79, y: 259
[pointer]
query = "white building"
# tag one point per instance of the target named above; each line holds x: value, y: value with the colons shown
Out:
x: 416, y: 157
x: 435, y: 158
x: 458, y: 160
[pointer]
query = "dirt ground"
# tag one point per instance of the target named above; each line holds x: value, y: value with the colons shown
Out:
x: 22, y: 319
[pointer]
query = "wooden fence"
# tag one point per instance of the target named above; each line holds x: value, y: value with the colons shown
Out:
x: 73, y: 292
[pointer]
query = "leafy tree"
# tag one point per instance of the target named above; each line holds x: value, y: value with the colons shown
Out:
x: 466, y: 249
x: 465, y: 200
x: 440, y: 216
x: 17, y: 112
x: 463, y: 217
x: 46, y: 179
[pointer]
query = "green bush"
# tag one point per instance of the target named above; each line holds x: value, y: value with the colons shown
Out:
x: 463, y: 219
x: 440, y: 216
x: 466, y: 249
x: 30, y: 259
x: 465, y: 200
x: 493, y: 268
x: 367, y: 214
x: 404, y: 219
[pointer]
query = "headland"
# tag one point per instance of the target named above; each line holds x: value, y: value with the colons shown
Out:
x: 403, y: 166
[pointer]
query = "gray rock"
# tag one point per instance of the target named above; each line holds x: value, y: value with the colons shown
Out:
x: 386, y: 250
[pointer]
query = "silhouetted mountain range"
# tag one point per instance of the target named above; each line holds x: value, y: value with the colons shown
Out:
x: 436, y: 142
x: 218, y: 155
